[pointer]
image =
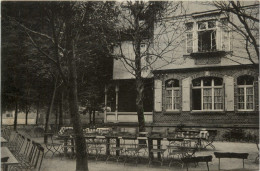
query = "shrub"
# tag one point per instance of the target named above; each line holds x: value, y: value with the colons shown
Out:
x: 238, y: 134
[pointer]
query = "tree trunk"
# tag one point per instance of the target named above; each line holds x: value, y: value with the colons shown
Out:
x: 61, y: 110
x: 48, y: 113
x: 81, y: 153
x: 94, y: 118
x: 16, y: 113
x: 37, y: 111
x: 139, y: 104
x: 26, y: 116
x: 56, y: 117
x: 90, y: 114
x: 138, y: 75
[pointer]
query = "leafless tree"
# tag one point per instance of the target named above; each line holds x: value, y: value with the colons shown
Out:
x: 64, y: 27
x: 244, y: 19
x: 147, y: 33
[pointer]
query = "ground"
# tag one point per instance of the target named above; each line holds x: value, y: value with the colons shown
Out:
x: 68, y: 164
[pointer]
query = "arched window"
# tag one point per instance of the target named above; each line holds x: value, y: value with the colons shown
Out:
x: 172, y: 95
x: 245, y: 92
x: 207, y: 94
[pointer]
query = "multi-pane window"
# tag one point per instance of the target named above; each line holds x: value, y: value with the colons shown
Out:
x: 202, y: 36
x: 207, y: 36
x: 245, y: 92
x: 172, y: 95
x: 207, y: 93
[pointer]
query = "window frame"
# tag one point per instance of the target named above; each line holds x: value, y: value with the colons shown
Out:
x: 214, y: 29
x: 245, y: 87
x: 212, y: 87
x: 222, y: 32
x: 172, y: 97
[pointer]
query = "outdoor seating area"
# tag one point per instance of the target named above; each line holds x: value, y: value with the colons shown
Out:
x: 186, y: 149
x: 20, y: 152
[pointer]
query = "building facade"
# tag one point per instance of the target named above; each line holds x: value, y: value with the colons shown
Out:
x: 212, y: 83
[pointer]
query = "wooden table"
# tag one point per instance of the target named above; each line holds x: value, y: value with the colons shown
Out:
x: 5, y: 152
x: 187, y: 135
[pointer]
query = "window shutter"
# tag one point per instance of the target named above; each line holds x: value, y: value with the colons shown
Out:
x: 157, y: 95
x: 229, y: 93
x: 256, y: 94
x: 225, y: 42
x: 189, y: 42
x: 191, y: 97
x: 218, y: 37
x: 163, y: 98
x: 223, y: 94
x: 186, y: 94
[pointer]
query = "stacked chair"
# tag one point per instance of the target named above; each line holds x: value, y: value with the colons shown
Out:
x: 5, y: 132
x: 27, y: 152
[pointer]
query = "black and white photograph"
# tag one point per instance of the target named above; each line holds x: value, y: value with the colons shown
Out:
x: 130, y: 85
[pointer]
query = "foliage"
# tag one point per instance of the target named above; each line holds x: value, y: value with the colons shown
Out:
x: 238, y: 135
x: 61, y: 42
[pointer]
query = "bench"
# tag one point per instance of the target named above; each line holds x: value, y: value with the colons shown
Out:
x: 220, y: 155
x: 197, y: 159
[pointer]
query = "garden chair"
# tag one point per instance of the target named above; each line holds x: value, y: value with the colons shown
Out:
x: 211, y: 138
x: 115, y: 152
x: 12, y: 144
x: 137, y: 149
x: 158, y: 148
x: 53, y: 147
x: 6, y: 133
x: 174, y: 152
x: 35, y: 161
x: 66, y: 143
x: 18, y: 144
x: 3, y: 161
x: 24, y: 155
x: 96, y: 146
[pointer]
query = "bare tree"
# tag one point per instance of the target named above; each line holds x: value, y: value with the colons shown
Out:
x: 146, y: 36
x: 244, y: 19
x: 63, y: 26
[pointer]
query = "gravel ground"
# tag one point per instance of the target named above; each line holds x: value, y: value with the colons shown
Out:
x: 67, y: 164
